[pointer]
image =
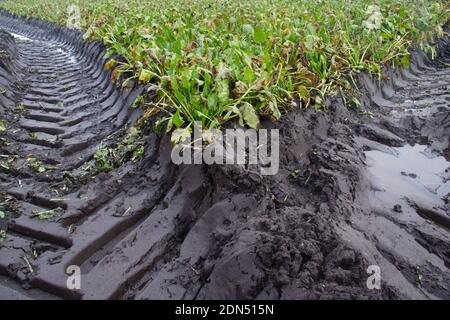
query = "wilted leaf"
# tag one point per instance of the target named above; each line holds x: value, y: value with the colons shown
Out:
x: 110, y: 64
x: 273, y: 106
x: 145, y: 76
x: 233, y: 111
x: 249, y: 115
x: 47, y: 214
x: 239, y: 89
x: 223, y: 72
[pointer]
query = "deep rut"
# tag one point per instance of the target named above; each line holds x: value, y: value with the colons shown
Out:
x: 407, y: 200
x: 59, y: 105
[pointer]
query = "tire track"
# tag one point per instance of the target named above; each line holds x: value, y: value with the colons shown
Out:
x: 68, y: 106
x: 408, y: 148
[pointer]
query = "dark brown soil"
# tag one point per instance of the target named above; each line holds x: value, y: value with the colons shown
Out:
x: 153, y: 230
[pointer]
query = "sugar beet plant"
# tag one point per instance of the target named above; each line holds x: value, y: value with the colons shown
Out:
x: 215, y: 60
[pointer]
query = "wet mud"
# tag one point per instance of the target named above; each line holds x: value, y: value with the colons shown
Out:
x: 354, y: 189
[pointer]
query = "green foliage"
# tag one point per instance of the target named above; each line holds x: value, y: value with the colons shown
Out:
x: 7, y: 163
x: 47, y: 214
x: 213, y: 61
x: 3, y: 125
x: 37, y: 165
x: 130, y: 148
x: 104, y: 159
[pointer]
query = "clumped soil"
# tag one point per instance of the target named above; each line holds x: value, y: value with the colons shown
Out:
x: 154, y: 230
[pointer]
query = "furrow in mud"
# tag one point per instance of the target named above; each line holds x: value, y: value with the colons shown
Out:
x: 59, y: 105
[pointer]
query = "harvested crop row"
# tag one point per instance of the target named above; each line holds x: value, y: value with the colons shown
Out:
x: 213, y: 61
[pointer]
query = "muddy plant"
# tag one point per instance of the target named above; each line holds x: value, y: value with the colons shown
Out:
x: 47, y: 214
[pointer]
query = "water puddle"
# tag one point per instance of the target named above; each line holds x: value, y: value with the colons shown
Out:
x: 408, y: 175
x: 19, y: 36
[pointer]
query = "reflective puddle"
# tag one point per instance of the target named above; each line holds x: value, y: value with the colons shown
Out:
x: 408, y: 177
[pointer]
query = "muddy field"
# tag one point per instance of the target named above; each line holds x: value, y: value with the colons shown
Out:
x: 355, y: 188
